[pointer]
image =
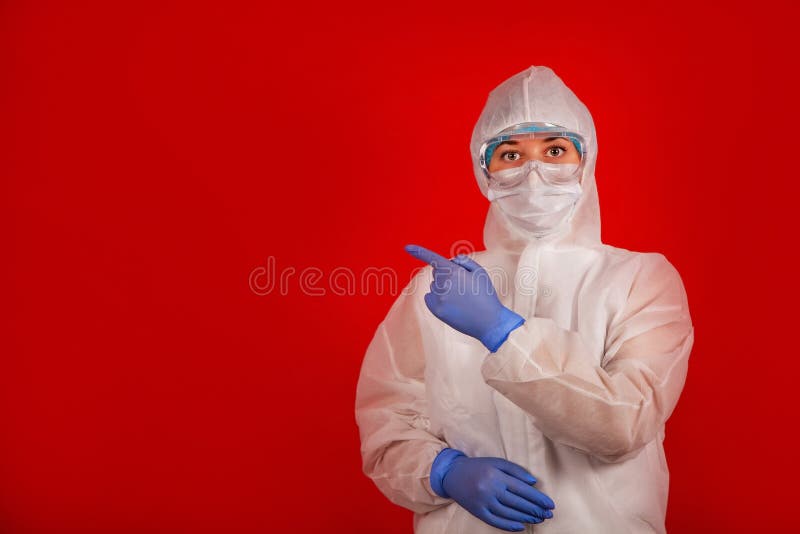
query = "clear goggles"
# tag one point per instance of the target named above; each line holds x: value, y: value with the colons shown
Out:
x: 557, y: 154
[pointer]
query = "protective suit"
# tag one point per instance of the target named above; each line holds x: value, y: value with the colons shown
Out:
x: 578, y: 395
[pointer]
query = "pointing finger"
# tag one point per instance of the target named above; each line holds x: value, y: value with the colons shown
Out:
x: 428, y: 256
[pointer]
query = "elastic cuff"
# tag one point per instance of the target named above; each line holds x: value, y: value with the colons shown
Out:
x: 508, y: 321
x: 441, y: 465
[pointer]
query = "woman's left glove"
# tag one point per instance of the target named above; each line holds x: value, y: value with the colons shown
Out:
x: 497, y: 491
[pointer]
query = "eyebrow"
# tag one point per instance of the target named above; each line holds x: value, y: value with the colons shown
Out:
x: 507, y: 143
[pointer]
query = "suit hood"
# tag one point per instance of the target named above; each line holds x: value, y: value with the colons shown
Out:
x: 538, y: 95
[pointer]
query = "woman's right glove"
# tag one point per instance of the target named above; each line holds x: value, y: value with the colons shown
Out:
x: 494, y: 490
x: 463, y: 296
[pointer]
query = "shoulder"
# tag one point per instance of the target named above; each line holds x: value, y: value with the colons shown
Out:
x: 655, y: 279
x: 642, y: 275
x: 645, y: 262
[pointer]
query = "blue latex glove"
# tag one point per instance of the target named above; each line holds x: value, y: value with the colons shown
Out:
x: 462, y: 295
x: 494, y: 490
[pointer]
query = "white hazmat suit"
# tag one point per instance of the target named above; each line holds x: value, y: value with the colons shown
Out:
x: 578, y: 395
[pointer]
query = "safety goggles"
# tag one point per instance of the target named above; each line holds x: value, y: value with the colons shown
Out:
x: 557, y: 154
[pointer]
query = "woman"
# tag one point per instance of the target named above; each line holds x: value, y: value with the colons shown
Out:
x: 529, y: 388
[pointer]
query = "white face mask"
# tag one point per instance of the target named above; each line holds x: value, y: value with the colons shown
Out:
x: 536, y: 205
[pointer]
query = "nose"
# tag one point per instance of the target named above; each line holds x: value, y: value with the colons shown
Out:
x: 533, y: 172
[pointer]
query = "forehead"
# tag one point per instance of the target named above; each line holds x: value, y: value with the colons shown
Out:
x: 532, y: 141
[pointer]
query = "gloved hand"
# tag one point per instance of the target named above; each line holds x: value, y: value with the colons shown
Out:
x: 494, y: 490
x: 462, y: 295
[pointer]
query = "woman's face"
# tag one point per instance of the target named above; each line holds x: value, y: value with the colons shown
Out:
x: 514, y: 153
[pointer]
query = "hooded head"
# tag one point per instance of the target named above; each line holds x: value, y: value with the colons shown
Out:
x: 538, y: 95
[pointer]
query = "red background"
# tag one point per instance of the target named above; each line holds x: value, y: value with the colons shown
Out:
x: 153, y: 154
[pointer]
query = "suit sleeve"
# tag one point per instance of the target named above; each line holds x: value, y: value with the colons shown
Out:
x: 397, y: 447
x: 611, y: 410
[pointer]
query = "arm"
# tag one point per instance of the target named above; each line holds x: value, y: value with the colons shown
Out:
x: 610, y: 410
x: 396, y: 446
x: 413, y: 467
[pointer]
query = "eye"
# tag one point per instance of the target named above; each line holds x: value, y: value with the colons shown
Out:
x: 510, y: 156
x: 555, y: 151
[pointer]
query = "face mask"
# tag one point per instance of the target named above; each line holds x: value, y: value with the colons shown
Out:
x: 537, y: 205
